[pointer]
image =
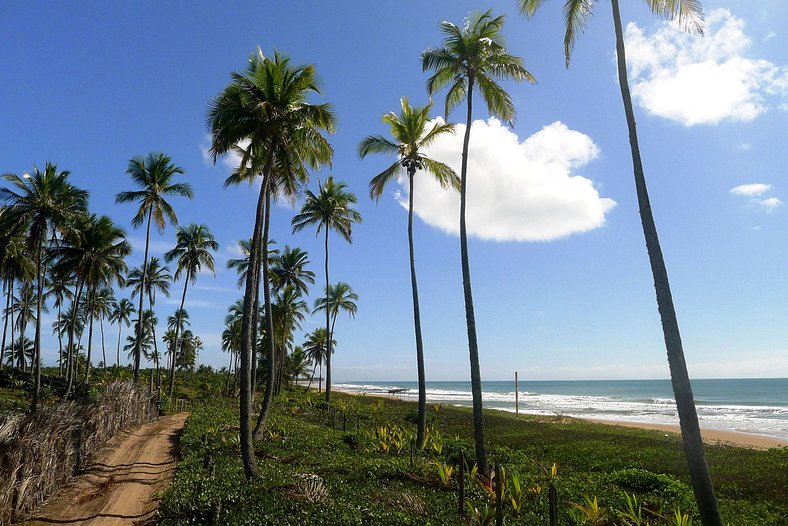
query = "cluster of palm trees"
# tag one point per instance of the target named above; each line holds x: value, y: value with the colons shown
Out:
x: 53, y: 248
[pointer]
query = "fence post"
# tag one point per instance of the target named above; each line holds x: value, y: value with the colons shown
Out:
x: 461, y: 483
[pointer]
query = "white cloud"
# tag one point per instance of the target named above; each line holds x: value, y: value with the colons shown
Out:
x: 755, y: 192
x: 231, y: 161
x: 750, y: 189
x: 517, y: 191
x: 696, y: 79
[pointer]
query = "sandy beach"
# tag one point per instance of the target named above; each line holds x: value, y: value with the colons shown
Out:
x: 710, y: 436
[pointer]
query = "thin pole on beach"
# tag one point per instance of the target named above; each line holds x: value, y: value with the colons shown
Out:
x: 516, y: 395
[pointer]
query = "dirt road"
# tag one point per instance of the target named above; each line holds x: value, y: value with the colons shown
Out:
x: 121, y: 487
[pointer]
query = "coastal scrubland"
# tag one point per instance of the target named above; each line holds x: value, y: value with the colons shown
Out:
x: 350, y: 463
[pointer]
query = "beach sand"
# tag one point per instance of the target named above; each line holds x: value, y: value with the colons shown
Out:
x: 710, y: 436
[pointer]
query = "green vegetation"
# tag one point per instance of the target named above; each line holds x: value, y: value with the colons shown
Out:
x: 349, y: 463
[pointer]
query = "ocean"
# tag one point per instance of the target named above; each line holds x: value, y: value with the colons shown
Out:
x: 755, y: 406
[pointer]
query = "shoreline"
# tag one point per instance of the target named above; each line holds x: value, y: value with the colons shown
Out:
x: 710, y: 436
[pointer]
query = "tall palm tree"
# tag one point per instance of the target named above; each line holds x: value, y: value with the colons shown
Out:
x: 47, y: 204
x: 689, y: 15
x: 267, y: 106
x: 59, y: 288
x: 339, y: 297
x: 24, y: 308
x: 289, y: 310
x: 16, y: 266
x: 103, y: 306
x: 329, y: 209
x: 121, y: 314
x: 411, y: 133
x: 473, y: 58
x: 20, y: 353
x: 192, y: 251
x: 154, y: 176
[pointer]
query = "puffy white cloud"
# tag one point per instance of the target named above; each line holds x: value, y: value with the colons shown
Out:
x: 770, y: 203
x: 517, y: 191
x: 751, y: 189
x: 696, y: 79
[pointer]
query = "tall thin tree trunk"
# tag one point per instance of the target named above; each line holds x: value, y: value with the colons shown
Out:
x: 59, y: 342
x: 255, y: 334
x: 682, y: 389
x: 37, y: 341
x: 177, y: 332
x: 247, y: 320
x: 92, y: 300
x: 422, y: 418
x: 328, y: 328
x: 117, y: 356
x: 320, y: 379
x: 9, y: 284
x: 103, y: 350
x: 71, y: 365
x: 269, y: 323
x: 140, y: 313
x: 470, y: 316
x: 311, y: 377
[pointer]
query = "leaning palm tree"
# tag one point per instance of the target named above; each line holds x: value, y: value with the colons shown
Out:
x: 473, y: 58
x: 412, y: 133
x: 121, y: 314
x: 329, y: 209
x: 154, y: 176
x: 316, y: 347
x: 339, y: 297
x: 47, y: 205
x: 192, y: 251
x: 689, y: 15
x: 266, y: 106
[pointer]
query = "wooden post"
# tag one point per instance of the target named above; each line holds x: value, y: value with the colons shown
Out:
x: 553, y: 506
x: 516, y: 395
x: 461, y: 483
x: 499, y: 482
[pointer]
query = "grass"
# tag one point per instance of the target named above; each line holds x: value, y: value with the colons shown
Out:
x: 350, y: 465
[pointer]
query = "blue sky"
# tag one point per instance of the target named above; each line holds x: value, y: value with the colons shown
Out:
x: 561, y: 280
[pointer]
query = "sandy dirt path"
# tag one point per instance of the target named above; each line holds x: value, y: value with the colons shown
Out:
x: 122, y: 486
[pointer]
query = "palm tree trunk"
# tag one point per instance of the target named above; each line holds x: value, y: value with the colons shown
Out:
x: 320, y: 379
x: 59, y: 342
x: 117, y: 356
x: 422, y: 418
x: 9, y: 286
x: 71, y: 358
x: 138, y: 343
x: 103, y: 350
x: 328, y: 328
x: 311, y: 377
x: 92, y: 300
x: 13, y: 335
x: 269, y: 324
x: 470, y: 316
x: 37, y: 344
x: 177, y: 332
x: 247, y: 331
x: 682, y: 389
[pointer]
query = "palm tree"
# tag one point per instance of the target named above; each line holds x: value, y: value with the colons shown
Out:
x: 60, y: 289
x: 153, y: 175
x: 46, y: 204
x: 24, y: 307
x: 473, y: 57
x: 267, y: 107
x: 339, y: 297
x: 20, y: 352
x: 16, y: 266
x: 289, y: 310
x: 289, y: 270
x: 157, y: 279
x: 689, y: 15
x: 315, y: 347
x: 330, y: 210
x: 411, y: 135
x: 121, y: 314
x: 192, y: 251
x: 103, y: 305
x: 95, y: 255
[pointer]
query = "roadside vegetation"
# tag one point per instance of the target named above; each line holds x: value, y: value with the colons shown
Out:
x: 349, y: 463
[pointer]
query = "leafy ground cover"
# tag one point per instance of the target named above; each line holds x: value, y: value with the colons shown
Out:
x: 350, y: 464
